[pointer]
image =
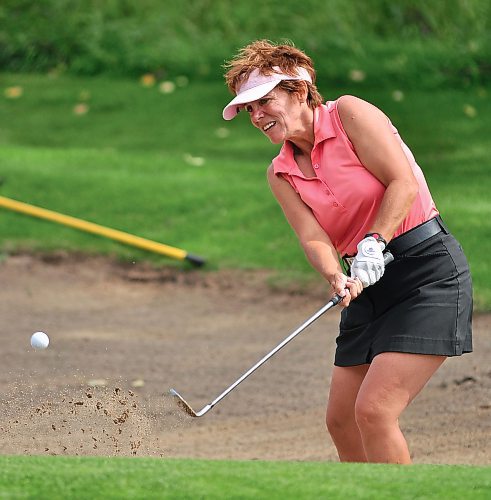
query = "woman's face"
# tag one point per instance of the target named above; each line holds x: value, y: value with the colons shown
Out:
x: 278, y: 115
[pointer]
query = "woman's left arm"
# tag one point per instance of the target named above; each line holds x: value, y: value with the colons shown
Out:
x: 380, y: 152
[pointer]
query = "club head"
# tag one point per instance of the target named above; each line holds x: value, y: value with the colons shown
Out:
x: 182, y: 403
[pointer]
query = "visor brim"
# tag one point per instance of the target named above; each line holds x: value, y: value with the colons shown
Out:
x: 251, y: 95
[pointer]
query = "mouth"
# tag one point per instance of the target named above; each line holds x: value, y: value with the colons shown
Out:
x: 268, y: 126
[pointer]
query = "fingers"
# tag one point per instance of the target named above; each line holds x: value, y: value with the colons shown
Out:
x: 361, y: 275
x: 353, y: 288
x: 368, y: 274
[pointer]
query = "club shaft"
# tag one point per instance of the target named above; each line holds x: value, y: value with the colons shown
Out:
x: 263, y: 360
x: 388, y: 257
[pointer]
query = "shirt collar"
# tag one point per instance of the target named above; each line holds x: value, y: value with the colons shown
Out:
x: 323, y: 126
x: 323, y: 129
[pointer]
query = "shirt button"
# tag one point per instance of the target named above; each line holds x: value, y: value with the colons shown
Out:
x: 316, y: 165
x: 335, y: 204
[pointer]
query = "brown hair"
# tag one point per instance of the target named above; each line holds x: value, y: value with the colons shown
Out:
x: 263, y: 55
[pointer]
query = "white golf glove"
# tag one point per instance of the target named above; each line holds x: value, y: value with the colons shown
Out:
x: 368, y: 265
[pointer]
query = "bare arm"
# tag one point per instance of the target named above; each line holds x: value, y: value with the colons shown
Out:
x: 316, y: 244
x: 380, y: 152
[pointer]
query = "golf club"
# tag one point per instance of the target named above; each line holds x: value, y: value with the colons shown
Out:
x: 184, y: 405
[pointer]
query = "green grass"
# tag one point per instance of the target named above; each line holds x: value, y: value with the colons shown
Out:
x: 77, y: 477
x: 125, y: 164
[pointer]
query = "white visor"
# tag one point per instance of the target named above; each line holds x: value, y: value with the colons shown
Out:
x: 257, y: 86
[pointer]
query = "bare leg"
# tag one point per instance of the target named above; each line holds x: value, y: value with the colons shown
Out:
x: 340, y: 417
x: 391, y: 383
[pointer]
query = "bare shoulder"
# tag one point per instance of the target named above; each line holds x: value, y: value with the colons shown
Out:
x: 281, y: 188
x: 356, y: 113
x: 349, y: 105
x: 273, y: 179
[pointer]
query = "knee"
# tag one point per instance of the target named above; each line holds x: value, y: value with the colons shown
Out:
x: 337, y: 421
x: 370, y: 414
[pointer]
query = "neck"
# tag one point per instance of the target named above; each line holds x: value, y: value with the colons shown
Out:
x: 303, y: 139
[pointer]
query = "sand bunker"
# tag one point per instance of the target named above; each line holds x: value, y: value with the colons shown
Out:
x: 121, y: 335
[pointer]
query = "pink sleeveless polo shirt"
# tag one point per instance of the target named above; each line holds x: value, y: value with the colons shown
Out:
x: 344, y: 196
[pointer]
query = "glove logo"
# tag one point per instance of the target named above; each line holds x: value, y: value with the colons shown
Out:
x: 369, y: 249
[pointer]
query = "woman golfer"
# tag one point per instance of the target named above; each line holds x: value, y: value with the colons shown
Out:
x: 351, y: 188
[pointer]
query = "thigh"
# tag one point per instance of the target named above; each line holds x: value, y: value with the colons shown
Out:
x: 394, y: 379
x: 345, y: 384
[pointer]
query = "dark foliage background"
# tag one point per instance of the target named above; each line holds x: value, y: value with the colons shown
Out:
x: 420, y: 43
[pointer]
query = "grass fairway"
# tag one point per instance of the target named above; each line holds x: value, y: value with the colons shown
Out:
x: 165, y: 166
x: 75, y: 477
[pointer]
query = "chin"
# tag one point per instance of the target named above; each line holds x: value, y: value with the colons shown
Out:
x: 275, y: 139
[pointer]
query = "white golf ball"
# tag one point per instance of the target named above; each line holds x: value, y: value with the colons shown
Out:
x: 39, y: 340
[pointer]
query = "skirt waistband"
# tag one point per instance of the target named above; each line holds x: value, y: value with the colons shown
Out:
x: 416, y: 235
x: 409, y: 239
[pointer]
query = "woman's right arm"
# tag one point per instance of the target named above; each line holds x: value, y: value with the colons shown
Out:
x: 316, y: 244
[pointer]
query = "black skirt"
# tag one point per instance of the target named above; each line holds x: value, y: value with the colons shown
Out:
x: 421, y: 305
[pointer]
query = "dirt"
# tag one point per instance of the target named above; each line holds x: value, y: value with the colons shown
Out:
x: 122, y: 334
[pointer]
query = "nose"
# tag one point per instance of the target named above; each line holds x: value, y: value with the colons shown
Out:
x: 256, y: 114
